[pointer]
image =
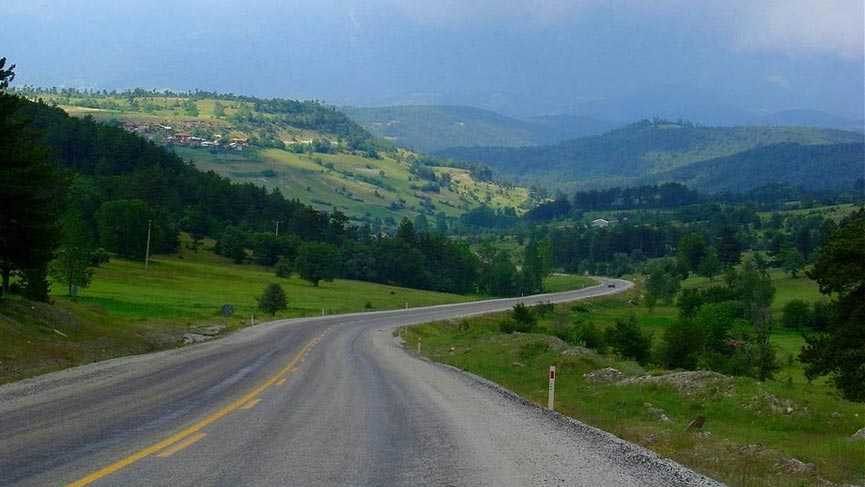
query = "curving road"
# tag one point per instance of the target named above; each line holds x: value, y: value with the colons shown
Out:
x: 325, y: 401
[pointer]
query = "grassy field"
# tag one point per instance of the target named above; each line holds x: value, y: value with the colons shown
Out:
x: 355, y: 185
x: 749, y: 433
x: 128, y: 310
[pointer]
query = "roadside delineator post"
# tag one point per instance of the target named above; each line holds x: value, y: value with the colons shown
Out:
x: 551, y: 395
x: 418, y: 345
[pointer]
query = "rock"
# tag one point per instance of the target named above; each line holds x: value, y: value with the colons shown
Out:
x: 687, y: 382
x: 555, y: 343
x: 696, y: 424
x: 657, y: 413
x: 795, y: 466
x: 210, y: 330
x: 770, y: 403
x: 579, y: 352
x: 704, y: 434
x: 518, y: 364
x: 859, y: 435
x: 607, y: 375
x: 190, y: 338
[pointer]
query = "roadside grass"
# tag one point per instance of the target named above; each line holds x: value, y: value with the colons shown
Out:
x: 195, y: 285
x: 565, y: 282
x: 128, y: 310
x: 748, y: 434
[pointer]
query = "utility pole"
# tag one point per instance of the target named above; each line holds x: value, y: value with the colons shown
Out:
x: 147, y: 248
x: 277, y: 228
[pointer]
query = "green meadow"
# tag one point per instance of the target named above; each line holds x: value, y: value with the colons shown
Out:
x: 752, y: 431
x: 129, y: 310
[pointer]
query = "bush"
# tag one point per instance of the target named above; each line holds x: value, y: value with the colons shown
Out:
x: 543, y: 309
x: 591, y: 336
x: 797, y: 314
x: 522, y: 320
x: 629, y: 341
x: 683, y: 344
x: 272, y: 300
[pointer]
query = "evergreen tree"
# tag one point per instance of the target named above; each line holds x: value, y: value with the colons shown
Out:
x: 316, y: 262
x: 839, y: 350
x: 272, y: 299
x: 31, y: 190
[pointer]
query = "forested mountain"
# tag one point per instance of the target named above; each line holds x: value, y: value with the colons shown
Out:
x: 304, y: 148
x: 431, y: 128
x: 815, y: 167
x: 637, y: 152
x: 81, y: 185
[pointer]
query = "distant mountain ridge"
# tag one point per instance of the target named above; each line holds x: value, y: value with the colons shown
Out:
x: 430, y: 128
x: 817, y: 167
x: 646, y: 150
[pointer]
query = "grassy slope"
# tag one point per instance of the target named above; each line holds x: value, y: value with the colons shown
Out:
x: 747, y: 437
x: 128, y: 310
x: 354, y: 184
x: 346, y: 186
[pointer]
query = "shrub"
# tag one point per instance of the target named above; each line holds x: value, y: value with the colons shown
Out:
x: 797, y: 314
x: 683, y: 344
x: 272, y: 300
x: 629, y: 341
x: 524, y: 316
x: 522, y: 320
x: 591, y: 336
x: 543, y: 309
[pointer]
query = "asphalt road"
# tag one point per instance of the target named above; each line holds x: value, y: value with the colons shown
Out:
x: 325, y: 401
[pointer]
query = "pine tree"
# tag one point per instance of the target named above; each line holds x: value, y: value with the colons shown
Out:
x: 272, y: 300
x: 31, y: 190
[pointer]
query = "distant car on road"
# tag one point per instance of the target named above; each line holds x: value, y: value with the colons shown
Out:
x: 611, y: 285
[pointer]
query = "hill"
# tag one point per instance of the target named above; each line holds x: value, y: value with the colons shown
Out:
x: 638, y: 151
x: 815, y: 167
x: 309, y: 151
x: 430, y: 128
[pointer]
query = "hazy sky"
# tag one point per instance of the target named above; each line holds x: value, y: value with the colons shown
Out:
x: 520, y: 56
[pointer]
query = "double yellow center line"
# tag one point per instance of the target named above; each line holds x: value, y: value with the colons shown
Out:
x: 193, y: 432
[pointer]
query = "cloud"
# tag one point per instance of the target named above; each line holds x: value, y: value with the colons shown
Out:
x: 803, y: 26
x: 456, y: 12
x: 787, y: 26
